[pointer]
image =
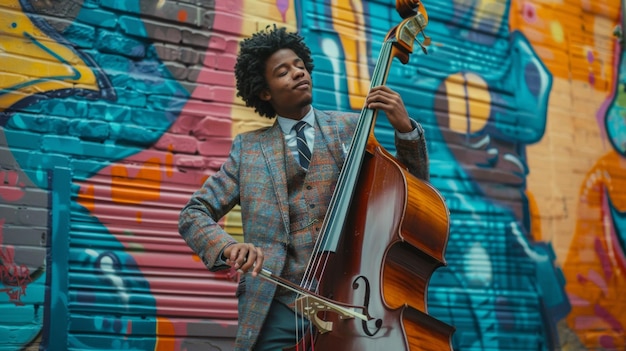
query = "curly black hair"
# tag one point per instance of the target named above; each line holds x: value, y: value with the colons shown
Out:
x: 250, y: 65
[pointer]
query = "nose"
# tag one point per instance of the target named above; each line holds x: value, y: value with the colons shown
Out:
x: 298, y: 72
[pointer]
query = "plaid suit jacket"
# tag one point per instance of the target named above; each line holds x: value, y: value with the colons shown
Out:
x: 254, y: 177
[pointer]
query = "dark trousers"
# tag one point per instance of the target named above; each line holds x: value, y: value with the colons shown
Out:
x: 280, y: 329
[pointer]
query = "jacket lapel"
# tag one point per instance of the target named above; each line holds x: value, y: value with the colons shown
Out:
x: 332, y: 137
x: 273, y: 149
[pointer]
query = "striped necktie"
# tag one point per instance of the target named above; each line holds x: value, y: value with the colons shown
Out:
x: 303, y: 149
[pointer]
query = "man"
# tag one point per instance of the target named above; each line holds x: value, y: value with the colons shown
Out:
x: 283, y: 192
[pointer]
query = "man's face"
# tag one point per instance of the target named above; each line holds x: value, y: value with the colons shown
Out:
x: 289, y: 84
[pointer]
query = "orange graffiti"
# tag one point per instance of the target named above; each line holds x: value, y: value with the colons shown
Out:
x: 535, y: 218
x: 182, y: 15
x: 140, y: 188
x: 165, y: 333
x: 86, y: 197
x: 567, y: 35
x: 595, y: 268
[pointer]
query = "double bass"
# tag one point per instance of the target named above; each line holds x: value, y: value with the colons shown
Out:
x: 383, y: 236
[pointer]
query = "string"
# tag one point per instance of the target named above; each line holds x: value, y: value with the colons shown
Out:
x: 342, y: 196
x: 346, y: 183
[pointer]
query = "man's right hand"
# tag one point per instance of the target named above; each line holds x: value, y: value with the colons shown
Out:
x: 244, y: 257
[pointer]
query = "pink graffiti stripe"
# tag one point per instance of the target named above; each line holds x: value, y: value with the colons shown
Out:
x: 16, y: 277
x: 604, y: 259
x: 11, y: 189
x: 576, y: 300
x: 608, y: 318
x: 598, y: 280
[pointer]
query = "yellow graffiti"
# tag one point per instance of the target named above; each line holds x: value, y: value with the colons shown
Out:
x: 33, y: 62
x: 266, y: 14
x: 486, y: 11
x: 349, y: 23
x: 469, y: 102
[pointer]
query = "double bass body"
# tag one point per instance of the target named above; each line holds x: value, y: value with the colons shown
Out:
x: 394, y: 239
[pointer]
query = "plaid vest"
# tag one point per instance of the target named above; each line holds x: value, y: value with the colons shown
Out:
x: 309, y: 195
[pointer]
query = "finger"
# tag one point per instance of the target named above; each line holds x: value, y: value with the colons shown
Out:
x: 250, y: 258
x: 233, y: 251
x: 238, y: 255
x: 380, y: 103
x: 382, y: 100
x: 382, y: 91
x: 381, y: 88
x: 258, y: 263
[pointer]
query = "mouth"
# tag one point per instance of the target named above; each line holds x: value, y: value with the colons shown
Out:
x: 303, y: 85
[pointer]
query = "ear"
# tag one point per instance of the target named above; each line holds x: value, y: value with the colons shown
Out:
x: 265, y: 95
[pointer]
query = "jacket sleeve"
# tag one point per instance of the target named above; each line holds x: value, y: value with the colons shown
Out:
x: 414, y: 154
x: 198, y: 220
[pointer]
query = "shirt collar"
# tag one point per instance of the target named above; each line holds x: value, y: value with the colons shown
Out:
x: 286, y: 124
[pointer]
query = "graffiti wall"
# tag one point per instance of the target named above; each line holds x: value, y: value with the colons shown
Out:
x: 113, y: 112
